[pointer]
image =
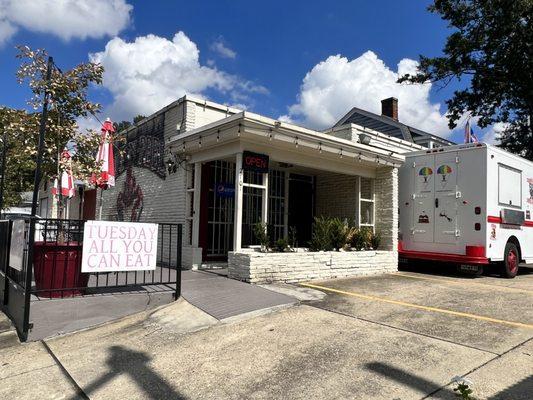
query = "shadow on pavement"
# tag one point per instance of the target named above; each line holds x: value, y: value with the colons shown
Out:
x: 519, y: 391
x: 125, y: 361
x: 420, y: 384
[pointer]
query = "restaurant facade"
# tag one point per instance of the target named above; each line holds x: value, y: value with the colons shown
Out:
x: 220, y: 171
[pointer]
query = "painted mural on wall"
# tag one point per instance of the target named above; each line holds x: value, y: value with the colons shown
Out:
x: 144, y: 147
x: 130, y: 199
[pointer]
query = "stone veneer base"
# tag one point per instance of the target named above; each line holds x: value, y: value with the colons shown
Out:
x: 256, y: 267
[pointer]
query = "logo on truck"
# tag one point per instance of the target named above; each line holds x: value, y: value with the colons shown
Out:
x: 425, y: 172
x: 530, y: 181
x: 443, y: 171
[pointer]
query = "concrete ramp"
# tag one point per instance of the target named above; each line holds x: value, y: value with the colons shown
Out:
x: 224, y: 298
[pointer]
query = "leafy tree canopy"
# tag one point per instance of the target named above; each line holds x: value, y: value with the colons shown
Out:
x: 491, y: 47
x: 68, y: 102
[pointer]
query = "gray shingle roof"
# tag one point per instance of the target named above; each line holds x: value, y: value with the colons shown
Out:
x: 388, y: 126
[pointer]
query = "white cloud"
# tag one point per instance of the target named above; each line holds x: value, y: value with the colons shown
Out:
x: 153, y: 71
x: 222, y: 50
x: 7, y: 30
x: 337, y: 84
x: 66, y: 19
x: 492, y: 136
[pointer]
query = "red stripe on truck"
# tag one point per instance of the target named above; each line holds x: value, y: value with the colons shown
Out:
x: 497, y: 220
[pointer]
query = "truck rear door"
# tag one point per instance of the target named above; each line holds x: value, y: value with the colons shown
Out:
x: 446, y: 197
x: 424, y: 199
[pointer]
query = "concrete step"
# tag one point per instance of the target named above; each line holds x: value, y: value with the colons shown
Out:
x: 8, y: 334
x: 9, y: 339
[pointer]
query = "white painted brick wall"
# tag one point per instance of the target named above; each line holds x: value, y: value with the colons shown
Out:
x: 336, y: 196
x: 257, y: 267
x: 165, y: 199
x: 386, y: 196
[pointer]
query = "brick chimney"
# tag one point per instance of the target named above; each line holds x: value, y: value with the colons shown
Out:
x: 389, y: 108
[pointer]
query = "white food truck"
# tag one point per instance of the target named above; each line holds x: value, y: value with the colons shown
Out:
x: 468, y: 204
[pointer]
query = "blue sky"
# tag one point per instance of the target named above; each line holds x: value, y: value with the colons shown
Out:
x: 249, y: 54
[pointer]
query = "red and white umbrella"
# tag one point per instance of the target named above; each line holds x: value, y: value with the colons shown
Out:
x: 67, y: 180
x: 106, y: 177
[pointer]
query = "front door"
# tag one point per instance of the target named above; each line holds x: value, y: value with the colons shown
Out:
x: 216, y: 210
x: 301, y: 207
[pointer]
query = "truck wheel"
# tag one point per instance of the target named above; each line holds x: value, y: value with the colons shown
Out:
x: 511, y: 259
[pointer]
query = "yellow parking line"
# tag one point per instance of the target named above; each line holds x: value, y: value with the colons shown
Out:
x: 426, y: 308
x: 465, y: 284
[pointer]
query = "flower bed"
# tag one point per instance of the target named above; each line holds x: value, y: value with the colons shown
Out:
x: 252, y: 265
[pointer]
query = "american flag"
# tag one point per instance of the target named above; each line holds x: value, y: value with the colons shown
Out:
x: 470, y: 136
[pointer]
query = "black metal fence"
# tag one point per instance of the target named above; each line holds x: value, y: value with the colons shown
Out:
x: 46, y: 264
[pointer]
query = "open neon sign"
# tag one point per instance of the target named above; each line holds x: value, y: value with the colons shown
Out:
x: 254, y: 162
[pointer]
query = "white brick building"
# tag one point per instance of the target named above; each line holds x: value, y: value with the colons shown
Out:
x: 192, y: 162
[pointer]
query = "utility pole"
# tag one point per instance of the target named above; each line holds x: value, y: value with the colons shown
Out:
x: 4, y: 155
x: 40, y: 149
x: 36, y: 184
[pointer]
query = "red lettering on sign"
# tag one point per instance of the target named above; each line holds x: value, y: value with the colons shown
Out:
x: 255, y: 161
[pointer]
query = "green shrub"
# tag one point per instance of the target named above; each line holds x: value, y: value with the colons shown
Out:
x: 293, y: 238
x: 260, y: 232
x: 338, y: 233
x: 321, y: 236
x: 375, y: 240
x: 358, y: 240
x: 366, y: 233
x: 281, y: 245
x: 329, y: 234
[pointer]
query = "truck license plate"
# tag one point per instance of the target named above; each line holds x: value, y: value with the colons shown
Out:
x: 468, y: 268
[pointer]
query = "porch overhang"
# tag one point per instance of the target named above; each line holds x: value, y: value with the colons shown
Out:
x: 283, y: 142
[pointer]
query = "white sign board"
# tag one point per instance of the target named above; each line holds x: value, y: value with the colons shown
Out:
x: 110, y: 246
x: 16, y: 252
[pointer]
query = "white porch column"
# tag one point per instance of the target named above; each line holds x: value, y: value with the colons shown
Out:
x: 264, y: 211
x: 237, y: 220
x: 286, y: 207
x: 196, y: 204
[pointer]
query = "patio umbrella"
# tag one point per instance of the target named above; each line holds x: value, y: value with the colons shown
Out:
x: 106, y: 177
x: 67, y: 180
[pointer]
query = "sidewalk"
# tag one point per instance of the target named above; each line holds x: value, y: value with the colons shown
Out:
x: 224, y: 298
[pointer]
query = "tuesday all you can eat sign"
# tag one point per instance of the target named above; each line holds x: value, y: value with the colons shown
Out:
x: 110, y: 246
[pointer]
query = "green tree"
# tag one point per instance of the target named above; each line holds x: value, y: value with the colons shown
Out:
x: 68, y: 102
x: 491, y: 47
x: 138, y: 118
x: 18, y: 126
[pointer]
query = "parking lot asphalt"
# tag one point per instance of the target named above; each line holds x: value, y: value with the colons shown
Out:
x: 486, y: 313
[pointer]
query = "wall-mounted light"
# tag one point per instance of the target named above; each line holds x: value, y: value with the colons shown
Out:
x: 172, y: 167
x: 364, y: 138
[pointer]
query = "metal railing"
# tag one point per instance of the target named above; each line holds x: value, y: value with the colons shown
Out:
x: 53, y: 258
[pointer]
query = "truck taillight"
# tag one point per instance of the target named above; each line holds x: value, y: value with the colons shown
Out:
x: 477, y: 210
x: 477, y: 226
